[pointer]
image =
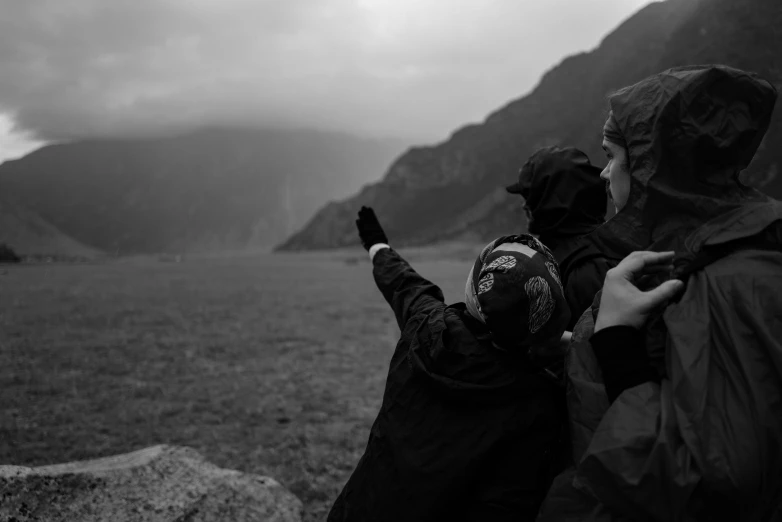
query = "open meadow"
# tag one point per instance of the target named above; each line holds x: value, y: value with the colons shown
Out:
x: 269, y: 364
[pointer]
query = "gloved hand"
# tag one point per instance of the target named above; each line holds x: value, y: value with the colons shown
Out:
x: 369, y: 229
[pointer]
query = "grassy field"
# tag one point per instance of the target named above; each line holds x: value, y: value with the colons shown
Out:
x: 269, y: 364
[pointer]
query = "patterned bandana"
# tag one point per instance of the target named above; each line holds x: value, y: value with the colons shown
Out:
x: 516, y: 291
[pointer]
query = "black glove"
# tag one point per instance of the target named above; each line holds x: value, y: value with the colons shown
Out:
x: 369, y: 229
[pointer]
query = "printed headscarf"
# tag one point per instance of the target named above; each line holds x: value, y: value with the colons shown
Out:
x: 517, y: 296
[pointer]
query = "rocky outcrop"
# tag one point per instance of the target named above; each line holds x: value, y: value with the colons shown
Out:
x: 160, y: 483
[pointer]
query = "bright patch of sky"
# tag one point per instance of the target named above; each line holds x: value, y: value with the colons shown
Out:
x: 415, y: 69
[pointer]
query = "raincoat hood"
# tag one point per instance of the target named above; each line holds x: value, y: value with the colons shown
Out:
x: 690, y: 131
x: 704, y: 440
x: 563, y: 192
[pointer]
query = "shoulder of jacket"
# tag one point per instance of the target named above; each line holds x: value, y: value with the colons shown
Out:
x: 747, y: 263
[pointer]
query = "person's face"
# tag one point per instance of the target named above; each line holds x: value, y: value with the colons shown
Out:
x: 616, y: 174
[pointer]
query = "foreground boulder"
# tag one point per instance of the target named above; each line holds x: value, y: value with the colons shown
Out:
x: 160, y: 483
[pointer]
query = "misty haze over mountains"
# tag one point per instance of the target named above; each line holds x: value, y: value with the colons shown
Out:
x: 214, y: 189
x: 233, y: 187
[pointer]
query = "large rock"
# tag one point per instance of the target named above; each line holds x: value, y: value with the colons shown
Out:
x: 160, y: 483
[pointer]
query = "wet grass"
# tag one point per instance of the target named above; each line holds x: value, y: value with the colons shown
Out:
x: 267, y: 364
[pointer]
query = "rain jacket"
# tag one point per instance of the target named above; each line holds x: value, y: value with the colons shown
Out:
x: 704, y: 441
x: 465, y: 432
x: 583, y: 265
x: 565, y: 199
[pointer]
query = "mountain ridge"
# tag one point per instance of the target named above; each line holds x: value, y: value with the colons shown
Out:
x: 214, y: 188
x: 440, y: 193
x: 27, y: 234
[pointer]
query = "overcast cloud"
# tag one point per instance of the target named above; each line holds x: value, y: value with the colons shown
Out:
x: 409, y: 68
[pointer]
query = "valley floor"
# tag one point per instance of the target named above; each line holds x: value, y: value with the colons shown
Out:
x: 269, y: 364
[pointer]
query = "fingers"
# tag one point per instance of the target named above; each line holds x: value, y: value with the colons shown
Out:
x: 647, y: 258
x: 643, y: 280
x: 367, y: 214
x: 650, y: 271
x: 663, y: 293
x: 642, y: 261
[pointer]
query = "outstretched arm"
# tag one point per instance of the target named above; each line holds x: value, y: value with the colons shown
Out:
x: 407, y: 292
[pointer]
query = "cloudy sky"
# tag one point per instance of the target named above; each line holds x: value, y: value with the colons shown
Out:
x: 414, y: 69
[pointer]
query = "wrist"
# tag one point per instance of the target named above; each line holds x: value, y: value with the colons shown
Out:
x: 374, y: 249
x: 614, y: 346
x: 606, y: 320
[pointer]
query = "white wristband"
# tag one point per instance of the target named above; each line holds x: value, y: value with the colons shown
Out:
x: 374, y: 249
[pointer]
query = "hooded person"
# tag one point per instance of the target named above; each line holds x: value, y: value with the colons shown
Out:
x: 468, y: 424
x: 681, y: 419
x: 565, y: 199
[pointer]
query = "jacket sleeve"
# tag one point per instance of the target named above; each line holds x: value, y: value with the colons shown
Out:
x: 407, y: 292
x: 621, y: 353
x: 706, y: 442
x: 583, y: 282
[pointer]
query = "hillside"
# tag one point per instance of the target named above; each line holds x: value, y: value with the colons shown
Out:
x: 218, y: 188
x: 29, y: 235
x: 453, y: 190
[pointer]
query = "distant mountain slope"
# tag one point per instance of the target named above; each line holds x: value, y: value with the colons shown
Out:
x: 212, y: 189
x: 444, y: 192
x: 29, y: 235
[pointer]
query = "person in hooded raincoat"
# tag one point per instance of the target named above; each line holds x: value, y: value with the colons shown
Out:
x: 468, y: 424
x: 683, y: 421
x: 565, y: 199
